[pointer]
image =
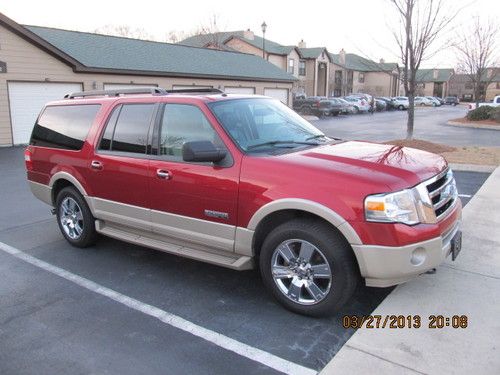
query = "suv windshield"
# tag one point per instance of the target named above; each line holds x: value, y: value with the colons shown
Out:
x: 259, y: 124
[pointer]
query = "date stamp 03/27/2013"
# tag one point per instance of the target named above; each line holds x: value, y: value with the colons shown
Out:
x: 405, y: 321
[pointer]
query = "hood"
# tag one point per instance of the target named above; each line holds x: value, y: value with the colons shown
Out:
x: 394, y: 166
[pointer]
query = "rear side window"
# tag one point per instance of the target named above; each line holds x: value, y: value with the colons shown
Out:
x: 127, y: 128
x: 64, y: 127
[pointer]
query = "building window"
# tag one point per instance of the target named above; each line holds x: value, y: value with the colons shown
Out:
x: 338, y: 77
x: 302, y: 68
x: 291, y: 66
x: 361, y: 77
x: 498, y: 85
x: 337, y: 92
x: 468, y: 86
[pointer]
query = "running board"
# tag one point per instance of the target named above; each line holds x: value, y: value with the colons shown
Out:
x: 155, y: 241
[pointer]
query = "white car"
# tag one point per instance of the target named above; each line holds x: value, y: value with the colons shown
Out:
x: 422, y: 100
x: 401, y: 102
x: 435, y: 102
x: 359, y: 105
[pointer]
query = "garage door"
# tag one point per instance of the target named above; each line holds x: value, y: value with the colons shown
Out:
x: 281, y: 94
x: 117, y: 86
x: 240, y: 90
x: 26, y: 101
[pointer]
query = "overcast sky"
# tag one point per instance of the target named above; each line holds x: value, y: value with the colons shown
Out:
x: 359, y: 26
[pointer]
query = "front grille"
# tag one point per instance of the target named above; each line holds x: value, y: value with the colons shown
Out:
x: 442, y: 190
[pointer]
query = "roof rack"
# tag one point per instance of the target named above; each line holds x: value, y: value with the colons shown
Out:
x: 144, y: 90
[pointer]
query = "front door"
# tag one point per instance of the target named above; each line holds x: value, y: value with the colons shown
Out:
x: 194, y: 202
x: 118, y: 170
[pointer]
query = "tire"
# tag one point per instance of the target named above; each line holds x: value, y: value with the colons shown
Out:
x: 329, y: 254
x: 401, y: 107
x: 74, y: 218
x: 355, y: 110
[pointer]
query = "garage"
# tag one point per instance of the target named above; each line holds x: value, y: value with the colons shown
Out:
x: 281, y: 94
x: 118, y: 86
x: 26, y: 99
x: 240, y: 90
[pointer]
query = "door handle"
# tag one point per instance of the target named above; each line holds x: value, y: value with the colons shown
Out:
x: 96, y: 165
x: 163, y: 174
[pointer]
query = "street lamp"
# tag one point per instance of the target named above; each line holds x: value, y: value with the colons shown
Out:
x: 264, y: 27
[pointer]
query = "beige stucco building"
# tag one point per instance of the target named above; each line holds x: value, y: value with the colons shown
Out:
x: 40, y: 64
x: 462, y: 87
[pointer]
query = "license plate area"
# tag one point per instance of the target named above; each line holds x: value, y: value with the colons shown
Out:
x: 456, y: 245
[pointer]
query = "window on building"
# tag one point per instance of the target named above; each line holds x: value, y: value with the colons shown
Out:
x: 361, y: 77
x: 302, y: 68
x: 64, y: 126
x: 131, y: 130
x: 468, y: 86
x: 498, y: 85
x: 184, y: 123
x: 338, y: 77
x: 291, y: 66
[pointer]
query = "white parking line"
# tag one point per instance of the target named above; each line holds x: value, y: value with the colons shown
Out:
x: 464, y: 195
x: 218, y: 339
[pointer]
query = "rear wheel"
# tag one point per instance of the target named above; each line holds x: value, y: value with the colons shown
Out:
x: 401, y: 107
x: 74, y: 218
x: 309, y: 267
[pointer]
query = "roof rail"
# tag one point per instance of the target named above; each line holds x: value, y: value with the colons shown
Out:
x: 144, y: 90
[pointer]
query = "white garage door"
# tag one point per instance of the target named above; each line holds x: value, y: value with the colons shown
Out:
x: 117, y: 86
x: 27, y: 100
x: 240, y: 90
x: 281, y: 94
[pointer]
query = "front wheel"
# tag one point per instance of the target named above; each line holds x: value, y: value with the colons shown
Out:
x: 309, y: 267
x: 401, y: 107
x: 75, y: 218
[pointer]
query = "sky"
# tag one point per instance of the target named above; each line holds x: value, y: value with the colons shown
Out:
x: 361, y: 26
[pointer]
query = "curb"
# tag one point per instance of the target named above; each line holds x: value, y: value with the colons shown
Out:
x: 473, y: 125
x: 472, y: 167
x: 310, y: 118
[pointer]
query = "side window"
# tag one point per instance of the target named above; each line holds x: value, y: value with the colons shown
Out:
x: 105, y: 143
x: 184, y: 123
x: 131, y: 130
x: 64, y: 127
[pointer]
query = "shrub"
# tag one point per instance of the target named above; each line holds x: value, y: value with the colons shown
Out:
x: 495, y: 114
x: 480, y: 113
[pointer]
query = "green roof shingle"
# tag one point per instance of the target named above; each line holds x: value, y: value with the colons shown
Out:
x: 427, y: 75
x: 118, y: 53
x: 356, y: 62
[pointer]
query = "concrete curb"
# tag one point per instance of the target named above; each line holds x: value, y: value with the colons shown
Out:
x: 473, y: 125
x: 472, y: 167
x: 465, y: 287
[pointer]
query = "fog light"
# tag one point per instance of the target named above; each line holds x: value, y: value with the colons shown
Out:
x: 418, y: 256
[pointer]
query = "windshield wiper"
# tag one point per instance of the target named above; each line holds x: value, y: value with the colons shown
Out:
x: 316, y: 137
x: 273, y: 143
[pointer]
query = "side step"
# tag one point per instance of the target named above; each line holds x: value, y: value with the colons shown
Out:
x: 154, y: 241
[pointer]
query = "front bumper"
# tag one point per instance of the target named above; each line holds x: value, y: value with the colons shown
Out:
x: 384, y: 266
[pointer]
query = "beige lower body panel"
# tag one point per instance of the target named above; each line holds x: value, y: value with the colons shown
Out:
x: 384, y: 266
x: 41, y: 191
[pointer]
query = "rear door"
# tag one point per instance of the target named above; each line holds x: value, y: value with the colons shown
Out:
x: 194, y: 202
x: 118, y: 171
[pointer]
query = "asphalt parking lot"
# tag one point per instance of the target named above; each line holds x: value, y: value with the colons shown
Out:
x: 430, y: 125
x: 49, y: 324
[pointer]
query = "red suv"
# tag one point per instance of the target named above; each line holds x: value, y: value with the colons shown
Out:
x: 241, y: 182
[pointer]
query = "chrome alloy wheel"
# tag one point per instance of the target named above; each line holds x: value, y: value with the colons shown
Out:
x: 301, y: 272
x: 71, y: 218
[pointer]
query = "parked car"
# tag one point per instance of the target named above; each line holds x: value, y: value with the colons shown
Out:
x: 451, y: 100
x: 359, y: 105
x: 423, y: 101
x: 380, y: 105
x: 494, y: 103
x: 308, y: 105
x: 401, y: 102
x: 347, y: 106
x: 227, y: 179
x: 330, y: 107
x: 389, y: 102
x: 435, y: 102
x: 366, y: 97
x: 441, y: 100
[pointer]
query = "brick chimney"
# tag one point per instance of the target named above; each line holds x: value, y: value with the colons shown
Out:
x: 342, y: 57
x: 248, y: 34
x: 302, y: 44
x: 382, y: 61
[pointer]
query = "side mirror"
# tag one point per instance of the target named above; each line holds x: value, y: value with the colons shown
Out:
x: 202, y: 151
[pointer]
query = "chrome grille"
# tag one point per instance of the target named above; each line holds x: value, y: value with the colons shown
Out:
x: 443, y: 192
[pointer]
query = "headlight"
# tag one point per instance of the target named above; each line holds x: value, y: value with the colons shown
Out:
x: 398, y: 207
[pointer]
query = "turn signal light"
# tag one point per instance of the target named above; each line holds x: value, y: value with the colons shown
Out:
x: 27, y: 159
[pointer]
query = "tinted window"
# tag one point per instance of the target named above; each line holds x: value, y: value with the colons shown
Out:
x: 131, y: 130
x: 110, y: 128
x: 64, y: 126
x: 184, y: 123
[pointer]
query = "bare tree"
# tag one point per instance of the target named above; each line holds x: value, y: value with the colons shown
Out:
x: 125, y: 31
x: 420, y: 24
x: 477, y: 56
